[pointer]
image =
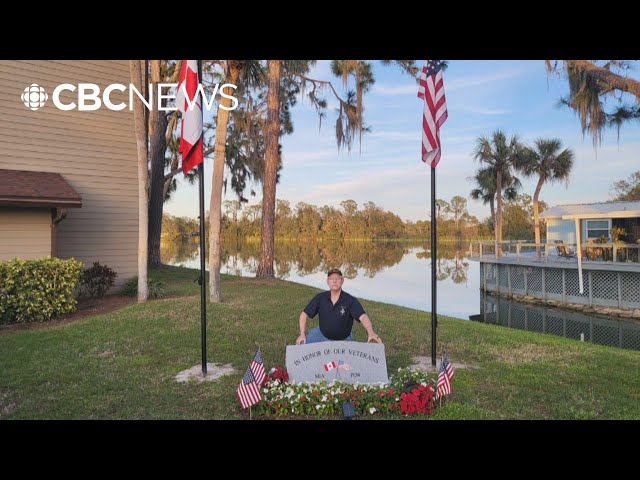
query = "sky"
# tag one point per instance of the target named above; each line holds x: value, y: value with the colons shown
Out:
x: 516, y: 96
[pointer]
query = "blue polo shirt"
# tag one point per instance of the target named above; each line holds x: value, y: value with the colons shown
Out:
x: 335, y: 320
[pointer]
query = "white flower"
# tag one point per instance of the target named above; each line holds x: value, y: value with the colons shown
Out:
x: 372, y: 410
x: 317, y: 407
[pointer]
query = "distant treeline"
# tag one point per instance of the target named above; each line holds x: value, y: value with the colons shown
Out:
x: 307, y: 221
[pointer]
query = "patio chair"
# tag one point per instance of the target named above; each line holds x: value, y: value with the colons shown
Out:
x: 594, y: 253
x: 563, y: 251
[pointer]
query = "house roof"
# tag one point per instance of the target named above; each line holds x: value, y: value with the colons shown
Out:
x: 594, y: 210
x: 22, y: 188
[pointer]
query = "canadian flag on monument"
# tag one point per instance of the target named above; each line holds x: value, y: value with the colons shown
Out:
x: 330, y: 366
x: 191, y: 138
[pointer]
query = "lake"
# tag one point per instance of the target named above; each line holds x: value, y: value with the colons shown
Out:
x: 399, y: 272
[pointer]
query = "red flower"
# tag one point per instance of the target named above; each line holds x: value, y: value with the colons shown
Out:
x: 418, y: 401
x: 277, y: 373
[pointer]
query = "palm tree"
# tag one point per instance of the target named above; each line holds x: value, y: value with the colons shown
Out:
x: 250, y: 72
x: 549, y: 164
x: 135, y: 69
x: 485, y: 180
x: 501, y: 154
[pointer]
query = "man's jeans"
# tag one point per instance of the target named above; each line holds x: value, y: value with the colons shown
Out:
x: 315, y: 335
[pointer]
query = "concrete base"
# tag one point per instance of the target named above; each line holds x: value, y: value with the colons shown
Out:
x: 214, y: 371
x: 424, y: 363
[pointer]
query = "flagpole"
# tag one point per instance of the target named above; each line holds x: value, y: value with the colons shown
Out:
x: 201, y: 280
x: 434, y: 259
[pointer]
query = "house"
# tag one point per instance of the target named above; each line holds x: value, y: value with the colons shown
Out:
x: 68, y: 178
x: 595, y: 220
x: 31, y: 205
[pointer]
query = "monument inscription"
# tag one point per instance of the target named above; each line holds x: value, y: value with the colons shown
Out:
x: 350, y: 362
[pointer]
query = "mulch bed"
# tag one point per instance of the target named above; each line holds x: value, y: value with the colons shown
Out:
x: 86, y: 307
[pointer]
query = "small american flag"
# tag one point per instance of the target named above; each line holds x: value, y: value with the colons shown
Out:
x: 431, y: 90
x: 248, y: 390
x: 445, y: 374
x: 449, y: 370
x: 257, y: 366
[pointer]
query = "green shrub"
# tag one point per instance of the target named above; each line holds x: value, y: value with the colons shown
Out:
x: 156, y: 288
x: 96, y: 280
x: 37, y: 290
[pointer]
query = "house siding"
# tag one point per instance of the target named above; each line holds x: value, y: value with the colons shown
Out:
x: 558, y: 229
x: 95, y: 152
x: 25, y: 233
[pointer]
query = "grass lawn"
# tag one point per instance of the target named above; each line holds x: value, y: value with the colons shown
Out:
x: 122, y: 365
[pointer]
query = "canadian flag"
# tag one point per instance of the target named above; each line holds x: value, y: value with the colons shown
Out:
x: 191, y: 137
x: 330, y: 366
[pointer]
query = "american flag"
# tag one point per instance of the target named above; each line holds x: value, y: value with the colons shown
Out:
x: 248, y: 390
x: 191, y: 136
x: 448, y: 367
x: 431, y: 90
x: 445, y: 374
x: 257, y: 366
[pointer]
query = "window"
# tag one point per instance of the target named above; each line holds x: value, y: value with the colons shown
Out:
x: 598, y: 228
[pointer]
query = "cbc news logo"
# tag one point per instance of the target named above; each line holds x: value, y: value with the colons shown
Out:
x: 34, y: 96
x: 90, y: 97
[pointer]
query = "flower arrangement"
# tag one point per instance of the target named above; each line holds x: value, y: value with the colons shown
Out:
x: 411, y: 392
x: 276, y: 373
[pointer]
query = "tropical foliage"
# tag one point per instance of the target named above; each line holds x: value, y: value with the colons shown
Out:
x: 591, y: 84
x: 500, y: 154
x: 629, y: 189
x: 549, y: 164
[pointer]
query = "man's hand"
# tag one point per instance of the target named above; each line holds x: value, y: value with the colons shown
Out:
x: 301, y: 339
x: 373, y: 337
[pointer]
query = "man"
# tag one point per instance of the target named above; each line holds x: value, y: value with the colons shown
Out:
x: 337, y: 311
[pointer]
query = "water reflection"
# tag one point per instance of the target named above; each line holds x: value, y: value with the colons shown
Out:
x: 566, y: 323
x: 396, y: 272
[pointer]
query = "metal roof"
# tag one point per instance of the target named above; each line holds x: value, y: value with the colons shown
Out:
x: 594, y: 210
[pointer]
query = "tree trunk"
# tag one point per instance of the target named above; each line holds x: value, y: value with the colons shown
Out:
x: 492, y: 207
x: 498, y: 228
x: 265, y: 267
x: 135, y: 68
x: 536, y: 217
x: 156, y: 195
x: 215, y: 203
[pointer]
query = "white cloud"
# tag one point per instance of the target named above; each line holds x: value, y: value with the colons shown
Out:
x: 405, y: 89
x: 482, y: 110
x: 497, y: 76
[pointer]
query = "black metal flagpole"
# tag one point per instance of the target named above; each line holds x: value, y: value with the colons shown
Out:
x: 202, y: 278
x: 434, y: 259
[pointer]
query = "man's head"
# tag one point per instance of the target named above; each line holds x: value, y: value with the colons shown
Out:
x: 334, y: 279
